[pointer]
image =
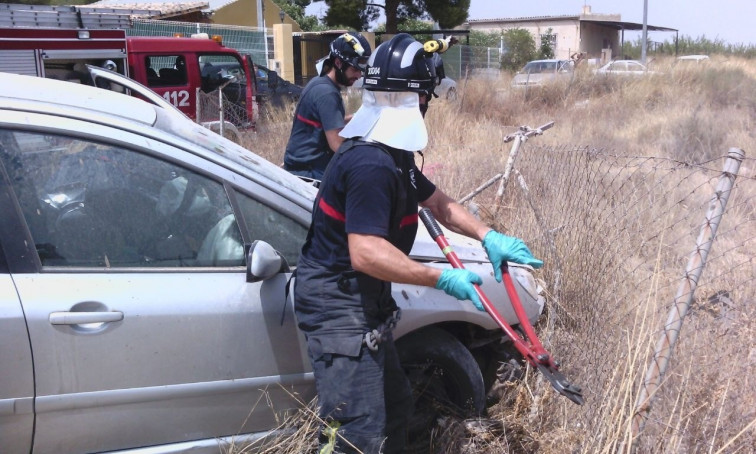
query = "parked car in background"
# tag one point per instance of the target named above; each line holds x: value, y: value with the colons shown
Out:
x: 275, y: 89
x: 269, y: 86
x: 631, y: 68
x: 447, y: 89
x: 540, y: 72
x: 144, y: 263
x: 692, y: 59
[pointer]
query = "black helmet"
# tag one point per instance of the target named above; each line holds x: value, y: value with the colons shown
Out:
x: 401, y: 64
x: 352, y: 48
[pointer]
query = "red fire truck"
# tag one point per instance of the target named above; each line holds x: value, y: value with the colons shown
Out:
x: 180, y: 69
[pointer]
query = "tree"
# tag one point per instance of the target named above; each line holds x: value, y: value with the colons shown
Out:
x: 296, y: 10
x: 448, y: 13
x: 519, y: 48
x: 412, y: 25
x: 485, y: 39
x: 351, y: 14
x: 546, y: 50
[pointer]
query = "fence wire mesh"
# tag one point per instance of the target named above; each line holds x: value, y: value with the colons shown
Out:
x: 246, y: 40
x: 212, y: 103
x: 616, y: 233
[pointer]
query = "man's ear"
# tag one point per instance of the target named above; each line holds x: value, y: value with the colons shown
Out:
x: 337, y: 63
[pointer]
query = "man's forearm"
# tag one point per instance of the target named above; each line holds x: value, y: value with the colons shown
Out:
x: 454, y: 216
x: 377, y: 257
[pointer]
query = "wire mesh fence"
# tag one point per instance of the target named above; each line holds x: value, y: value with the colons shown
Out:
x: 246, y: 40
x: 616, y: 233
x: 461, y: 61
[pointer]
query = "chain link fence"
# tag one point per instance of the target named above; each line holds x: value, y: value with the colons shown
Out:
x: 246, y: 40
x: 616, y: 233
x: 462, y: 61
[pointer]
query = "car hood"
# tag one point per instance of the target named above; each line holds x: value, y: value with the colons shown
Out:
x: 467, y: 249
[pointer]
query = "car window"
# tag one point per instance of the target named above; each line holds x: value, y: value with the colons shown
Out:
x: 90, y: 204
x: 265, y: 223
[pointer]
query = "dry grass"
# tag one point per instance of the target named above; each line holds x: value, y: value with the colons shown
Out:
x: 623, y: 180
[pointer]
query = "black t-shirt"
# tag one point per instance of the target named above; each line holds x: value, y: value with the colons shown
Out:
x: 368, y: 190
x: 320, y: 109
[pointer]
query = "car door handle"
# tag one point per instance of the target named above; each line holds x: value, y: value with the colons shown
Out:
x: 80, y: 318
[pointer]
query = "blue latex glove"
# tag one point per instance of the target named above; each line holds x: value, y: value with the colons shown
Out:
x: 458, y: 283
x: 501, y: 248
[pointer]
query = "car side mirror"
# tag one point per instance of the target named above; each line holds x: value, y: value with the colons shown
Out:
x: 272, y: 80
x: 263, y: 261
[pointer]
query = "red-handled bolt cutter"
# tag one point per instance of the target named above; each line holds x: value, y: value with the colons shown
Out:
x: 532, y: 350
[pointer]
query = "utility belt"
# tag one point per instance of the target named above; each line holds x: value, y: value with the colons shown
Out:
x: 353, y: 282
x: 347, y: 302
x: 383, y: 332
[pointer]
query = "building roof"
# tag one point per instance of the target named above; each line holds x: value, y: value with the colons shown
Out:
x: 607, y: 20
x: 157, y: 10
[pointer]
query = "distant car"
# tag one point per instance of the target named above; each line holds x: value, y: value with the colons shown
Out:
x: 539, y: 72
x: 144, y: 263
x: 631, y: 68
x: 695, y: 59
x: 274, y: 88
x: 447, y: 89
x: 270, y: 86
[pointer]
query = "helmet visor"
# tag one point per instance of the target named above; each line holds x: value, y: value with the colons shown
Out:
x: 360, y: 63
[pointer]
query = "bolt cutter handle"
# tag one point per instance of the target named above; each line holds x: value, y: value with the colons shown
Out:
x: 534, y: 353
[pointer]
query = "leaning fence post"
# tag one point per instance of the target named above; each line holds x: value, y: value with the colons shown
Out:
x: 220, y: 112
x: 198, y: 105
x: 685, y: 292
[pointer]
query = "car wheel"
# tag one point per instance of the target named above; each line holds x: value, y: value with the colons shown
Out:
x: 451, y: 94
x: 445, y: 378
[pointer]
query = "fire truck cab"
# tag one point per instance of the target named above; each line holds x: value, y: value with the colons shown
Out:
x: 180, y: 69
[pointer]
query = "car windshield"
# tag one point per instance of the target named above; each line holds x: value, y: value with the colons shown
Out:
x: 535, y: 67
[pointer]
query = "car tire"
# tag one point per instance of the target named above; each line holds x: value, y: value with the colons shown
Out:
x: 445, y: 378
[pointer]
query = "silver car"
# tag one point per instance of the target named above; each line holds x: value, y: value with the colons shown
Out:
x: 143, y: 271
x: 540, y: 72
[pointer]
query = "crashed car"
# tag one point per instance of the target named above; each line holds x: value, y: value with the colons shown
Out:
x: 144, y: 263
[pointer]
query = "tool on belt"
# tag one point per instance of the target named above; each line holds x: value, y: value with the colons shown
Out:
x: 530, y: 347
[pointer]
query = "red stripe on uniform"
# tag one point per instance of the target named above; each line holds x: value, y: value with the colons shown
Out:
x: 308, y: 121
x: 331, y: 211
x: 408, y: 220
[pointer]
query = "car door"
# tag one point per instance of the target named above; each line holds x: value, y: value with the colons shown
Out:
x: 16, y: 376
x: 143, y: 328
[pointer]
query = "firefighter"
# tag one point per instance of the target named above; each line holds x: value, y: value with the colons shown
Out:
x: 364, y: 222
x: 320, y: 113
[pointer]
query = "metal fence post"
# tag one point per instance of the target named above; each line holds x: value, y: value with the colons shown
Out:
x: 685, y: 293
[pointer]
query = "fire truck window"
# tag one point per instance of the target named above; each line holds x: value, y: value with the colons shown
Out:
x: 169, y: 70
x: 221, y: 71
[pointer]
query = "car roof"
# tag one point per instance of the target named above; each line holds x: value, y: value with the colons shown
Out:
x: 60, y: 97
x: 159, y: 121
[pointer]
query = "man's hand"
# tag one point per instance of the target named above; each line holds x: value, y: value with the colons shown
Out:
x: 502, y: 248
x: 458, y: 283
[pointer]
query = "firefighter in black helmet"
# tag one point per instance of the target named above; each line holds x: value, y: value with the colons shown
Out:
x: 320, y: 113
x: 363, y: 226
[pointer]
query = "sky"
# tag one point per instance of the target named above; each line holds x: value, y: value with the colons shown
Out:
x: 732, y: 21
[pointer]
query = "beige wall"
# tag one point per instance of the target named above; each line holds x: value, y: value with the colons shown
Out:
x: 317, y: 47
x: 244, y: 13
x: 573, y: 35
x: 597, y: 39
